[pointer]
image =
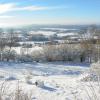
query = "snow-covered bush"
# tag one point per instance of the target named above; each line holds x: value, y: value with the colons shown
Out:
x: 89, y: 77
x: 38, y: 55
x: 9, y: 55
x: 95, y: 68
x: 25, y: 58
x: 94, y: 74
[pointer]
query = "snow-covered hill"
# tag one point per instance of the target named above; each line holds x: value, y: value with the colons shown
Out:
x: 56, y: 81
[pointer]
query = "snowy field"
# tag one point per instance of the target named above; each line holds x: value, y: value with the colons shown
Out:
x: 57, y: 81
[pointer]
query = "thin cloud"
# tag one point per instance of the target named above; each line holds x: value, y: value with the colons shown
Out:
x: 30, y: 8
x: 4, y: 8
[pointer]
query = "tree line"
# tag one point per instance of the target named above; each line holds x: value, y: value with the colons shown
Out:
x: 86, y: 50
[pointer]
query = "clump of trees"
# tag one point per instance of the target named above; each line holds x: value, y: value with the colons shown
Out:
x: 63, y: 52
x: 7, y: 41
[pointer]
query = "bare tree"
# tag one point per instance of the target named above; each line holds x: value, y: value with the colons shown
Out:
x: 90, y: 44
x: 2, y: 43
x: 11, y: 41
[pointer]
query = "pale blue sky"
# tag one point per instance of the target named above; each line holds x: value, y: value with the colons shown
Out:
x: 23, y: 12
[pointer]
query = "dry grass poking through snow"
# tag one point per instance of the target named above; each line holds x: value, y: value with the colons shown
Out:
x: 91, y: 92
x: 18, y: 93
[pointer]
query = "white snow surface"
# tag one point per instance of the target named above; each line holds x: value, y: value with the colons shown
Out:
x: 19, y: 49
x: 67, y: 34
x: 46, y: 33
x: 61, y: 81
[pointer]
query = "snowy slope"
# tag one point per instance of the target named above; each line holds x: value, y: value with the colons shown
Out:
x: 61, y: 80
